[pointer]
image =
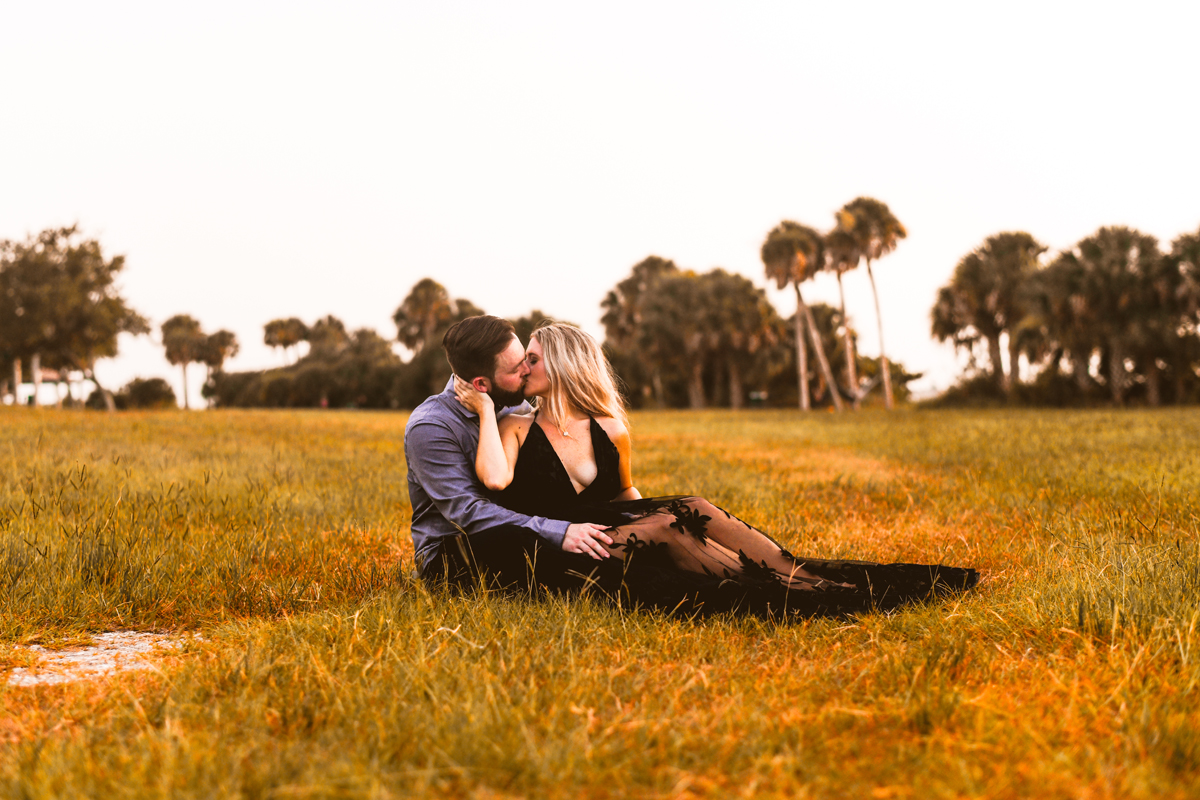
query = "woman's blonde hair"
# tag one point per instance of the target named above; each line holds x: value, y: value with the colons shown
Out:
x: 580, y: 376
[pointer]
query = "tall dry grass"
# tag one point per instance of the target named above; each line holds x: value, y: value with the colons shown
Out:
x: 326, y: 671
x: 166, y: 520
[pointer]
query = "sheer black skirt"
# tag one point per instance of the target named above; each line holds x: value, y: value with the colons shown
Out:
x: 685, y: 555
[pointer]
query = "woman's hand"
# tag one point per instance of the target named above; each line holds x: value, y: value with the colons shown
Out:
x: 471, y: 398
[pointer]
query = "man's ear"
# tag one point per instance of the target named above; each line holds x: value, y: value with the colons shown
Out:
x: 482, y: 385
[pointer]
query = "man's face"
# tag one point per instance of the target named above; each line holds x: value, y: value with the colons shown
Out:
x: 507, y: 386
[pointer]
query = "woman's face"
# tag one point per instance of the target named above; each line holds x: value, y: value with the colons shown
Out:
x: 537, y: 384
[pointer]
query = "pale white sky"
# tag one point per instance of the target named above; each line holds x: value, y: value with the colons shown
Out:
x: 259, y: 160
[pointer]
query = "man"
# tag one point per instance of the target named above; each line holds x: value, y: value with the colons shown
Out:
x: 458, y: 532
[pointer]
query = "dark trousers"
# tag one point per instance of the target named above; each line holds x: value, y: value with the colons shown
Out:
x: 512, y: 558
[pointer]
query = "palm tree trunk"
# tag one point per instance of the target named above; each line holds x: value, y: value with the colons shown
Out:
x: 1153, y: 383
x: 822, y: 389
x: 1116, y: 373
x: 848, y: 346
x: 696, y: 384
x: 1079, y: 368
x: 35, y: 368
x: 816, y: 343
x: 993, y: 343
x: 657, y: 382
x: 184, y: 367
x: 712, y: 390
x: 735, y: 382
x: 1014, y: 366
x: 802, y: 360
x: 883, y: 362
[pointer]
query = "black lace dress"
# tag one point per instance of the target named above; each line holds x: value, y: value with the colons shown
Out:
x: 685, y: 554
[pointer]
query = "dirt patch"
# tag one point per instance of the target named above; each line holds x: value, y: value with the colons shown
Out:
x: 110, y: 652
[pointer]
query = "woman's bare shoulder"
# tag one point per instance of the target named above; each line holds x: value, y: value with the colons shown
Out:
x: 615, y: 429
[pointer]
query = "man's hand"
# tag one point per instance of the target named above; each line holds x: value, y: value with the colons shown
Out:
x: 584, y: 537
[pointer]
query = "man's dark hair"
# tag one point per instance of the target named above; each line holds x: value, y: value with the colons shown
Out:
x: 472, y: 345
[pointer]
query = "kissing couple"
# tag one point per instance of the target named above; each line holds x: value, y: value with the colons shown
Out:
x: 520, y: 476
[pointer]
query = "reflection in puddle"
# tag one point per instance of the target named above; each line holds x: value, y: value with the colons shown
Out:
x: 120, y: 650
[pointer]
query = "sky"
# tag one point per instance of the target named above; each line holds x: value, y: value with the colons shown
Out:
x: 256, y: 160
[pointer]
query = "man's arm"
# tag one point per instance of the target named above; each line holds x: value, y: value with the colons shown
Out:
x: 447, y: 475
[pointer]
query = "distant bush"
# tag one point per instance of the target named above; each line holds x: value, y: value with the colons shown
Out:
x: 149, y: 393
x: 979, y: 391
x: 348, y: 381
x: 235, y: 389
x: 138, y: 393
x: 1050, y: 389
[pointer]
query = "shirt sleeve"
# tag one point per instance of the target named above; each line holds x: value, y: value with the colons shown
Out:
x: 436, y: 458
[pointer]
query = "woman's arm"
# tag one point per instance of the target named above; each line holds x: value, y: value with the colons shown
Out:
x: 497, y: 454
x: 620, y: 437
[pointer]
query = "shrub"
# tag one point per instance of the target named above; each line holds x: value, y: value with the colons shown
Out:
x: 138, y: 393
x: 149, y: 393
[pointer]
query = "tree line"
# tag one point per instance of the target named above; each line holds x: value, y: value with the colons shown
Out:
x: 357, y: 369
x: 676, y: 338
x: 1112, y: 318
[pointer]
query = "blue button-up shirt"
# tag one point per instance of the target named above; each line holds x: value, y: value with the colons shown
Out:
x: 440, y: 442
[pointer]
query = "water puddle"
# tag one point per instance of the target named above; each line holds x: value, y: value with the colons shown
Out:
x: 109, y: 652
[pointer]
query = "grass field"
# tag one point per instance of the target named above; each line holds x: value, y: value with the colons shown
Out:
x: 325, y: 670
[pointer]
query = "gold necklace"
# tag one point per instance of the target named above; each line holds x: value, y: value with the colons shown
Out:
x: 566, y: 434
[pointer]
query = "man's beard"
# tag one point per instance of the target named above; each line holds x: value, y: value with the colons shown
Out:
x: 504, y: 399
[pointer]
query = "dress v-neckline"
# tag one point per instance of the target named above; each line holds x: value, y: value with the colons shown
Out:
x: 592, y: 425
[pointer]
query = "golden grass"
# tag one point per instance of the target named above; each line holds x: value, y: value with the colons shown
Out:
x: 325, y: 670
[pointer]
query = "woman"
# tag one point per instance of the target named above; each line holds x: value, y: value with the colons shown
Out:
x: 571, y: 459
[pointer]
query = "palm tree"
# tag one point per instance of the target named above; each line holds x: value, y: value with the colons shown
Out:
x: 184, y: 343
x: 624, y: 308
x: 876, y: 230
x: 1185, y: 258
x: 792, y: 253
x: 983, y: 300
x: 673, y: 332
x: 741, y: 323
x: 842, y: 255
x: 218, y: 347
x: 1059, y: 316
x: 285, y: 334
x: 426, y: 310
x: 327, y: 338
x: 1163, y: 334
x: 1101, y: 295
x: 1185, y: 251
x: 1119, y: 262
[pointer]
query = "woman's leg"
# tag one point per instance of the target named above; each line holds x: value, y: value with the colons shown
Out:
x: 697, y: 536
